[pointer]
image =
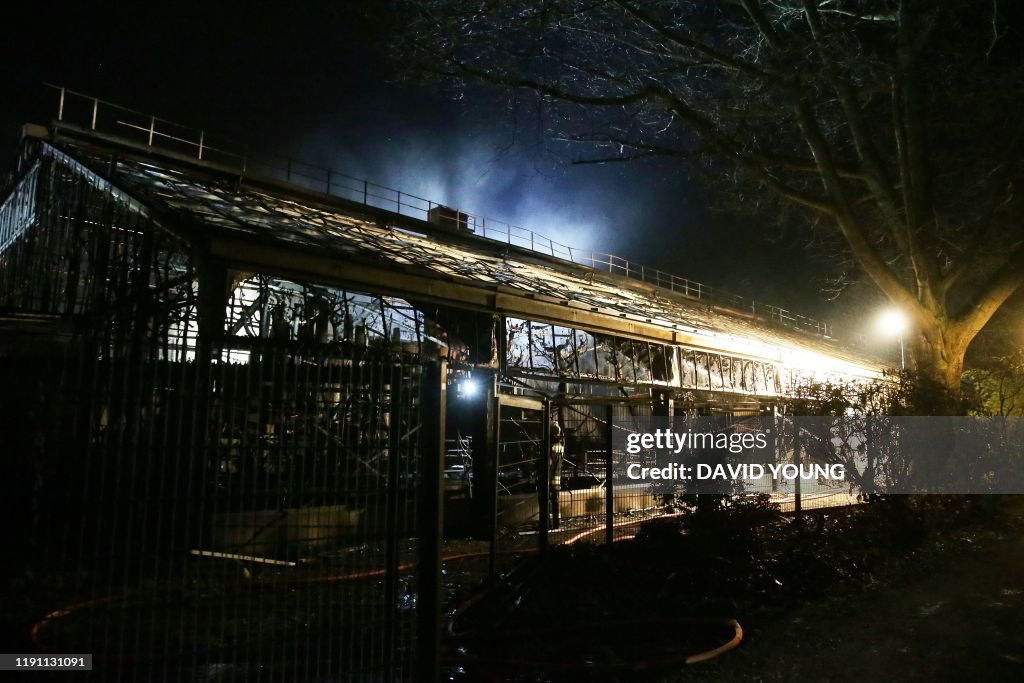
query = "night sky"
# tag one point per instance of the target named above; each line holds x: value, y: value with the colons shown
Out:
x: 318, y: 82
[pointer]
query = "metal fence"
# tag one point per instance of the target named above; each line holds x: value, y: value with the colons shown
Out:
x: 561, y: 479
x: 192, y: 502
x: 234, y: 476
x: 275, y: 547
x: 99, y: 115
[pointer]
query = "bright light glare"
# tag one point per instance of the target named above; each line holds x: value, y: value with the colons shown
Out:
x: 470, y: 388
x: 893, y: 322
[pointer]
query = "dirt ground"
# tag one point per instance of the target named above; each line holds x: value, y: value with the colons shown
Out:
x: 952, y: 614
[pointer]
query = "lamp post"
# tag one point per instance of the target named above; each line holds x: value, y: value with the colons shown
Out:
x: 893, y: 322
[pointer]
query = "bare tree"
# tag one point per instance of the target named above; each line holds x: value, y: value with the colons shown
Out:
x: 896, y: 123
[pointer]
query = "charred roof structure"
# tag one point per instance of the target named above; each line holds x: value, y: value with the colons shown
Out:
x: 243, y: 361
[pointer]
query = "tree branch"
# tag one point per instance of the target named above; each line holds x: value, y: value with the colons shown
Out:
x: 968, y: 261
x: 875, y: 176
x: 996, y: 291
x: 864, y: 251
x: 660, y: 29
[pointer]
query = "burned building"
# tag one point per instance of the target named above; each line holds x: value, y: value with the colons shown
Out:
x: 241, y: 392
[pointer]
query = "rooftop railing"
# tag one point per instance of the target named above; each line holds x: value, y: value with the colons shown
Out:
x: 101, y: 116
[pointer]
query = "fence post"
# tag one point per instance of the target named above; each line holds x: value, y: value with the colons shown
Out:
x: 391, y: 513
x: 609, y: 472
x: 431, y: 523
x: 544, y: 486
x: 213, y: 280
x: 797, y: 509
x: 492, y: 487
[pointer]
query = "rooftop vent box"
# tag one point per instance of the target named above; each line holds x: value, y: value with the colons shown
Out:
x: 450, y: 219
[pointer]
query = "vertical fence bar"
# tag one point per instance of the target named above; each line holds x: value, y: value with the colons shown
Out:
x: 60, y: 106
x: 609, y: 471
x: 431, y: 524
x: 152, y: 127
x: 95, y: 107
x: 366, y: 191
x: 202, y: 136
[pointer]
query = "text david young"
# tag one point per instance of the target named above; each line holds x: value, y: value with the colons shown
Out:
x: 706, y: 456
x: 740, y: 472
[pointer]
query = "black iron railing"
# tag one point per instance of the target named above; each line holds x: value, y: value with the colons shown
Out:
x: 103, y: 116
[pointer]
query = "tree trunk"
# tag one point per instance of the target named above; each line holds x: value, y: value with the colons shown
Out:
x: 937, y: 360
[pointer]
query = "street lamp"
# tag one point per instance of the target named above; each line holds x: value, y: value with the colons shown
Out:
x: 894, y: 323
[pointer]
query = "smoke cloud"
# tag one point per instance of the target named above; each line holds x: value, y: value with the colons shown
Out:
x: 591, y: 208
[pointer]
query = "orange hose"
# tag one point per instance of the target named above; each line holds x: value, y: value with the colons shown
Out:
x: 365, y: 574
x: 721, y: 649
x: 369, y: 573
x: 636, y: 666
x: 63, y: 612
